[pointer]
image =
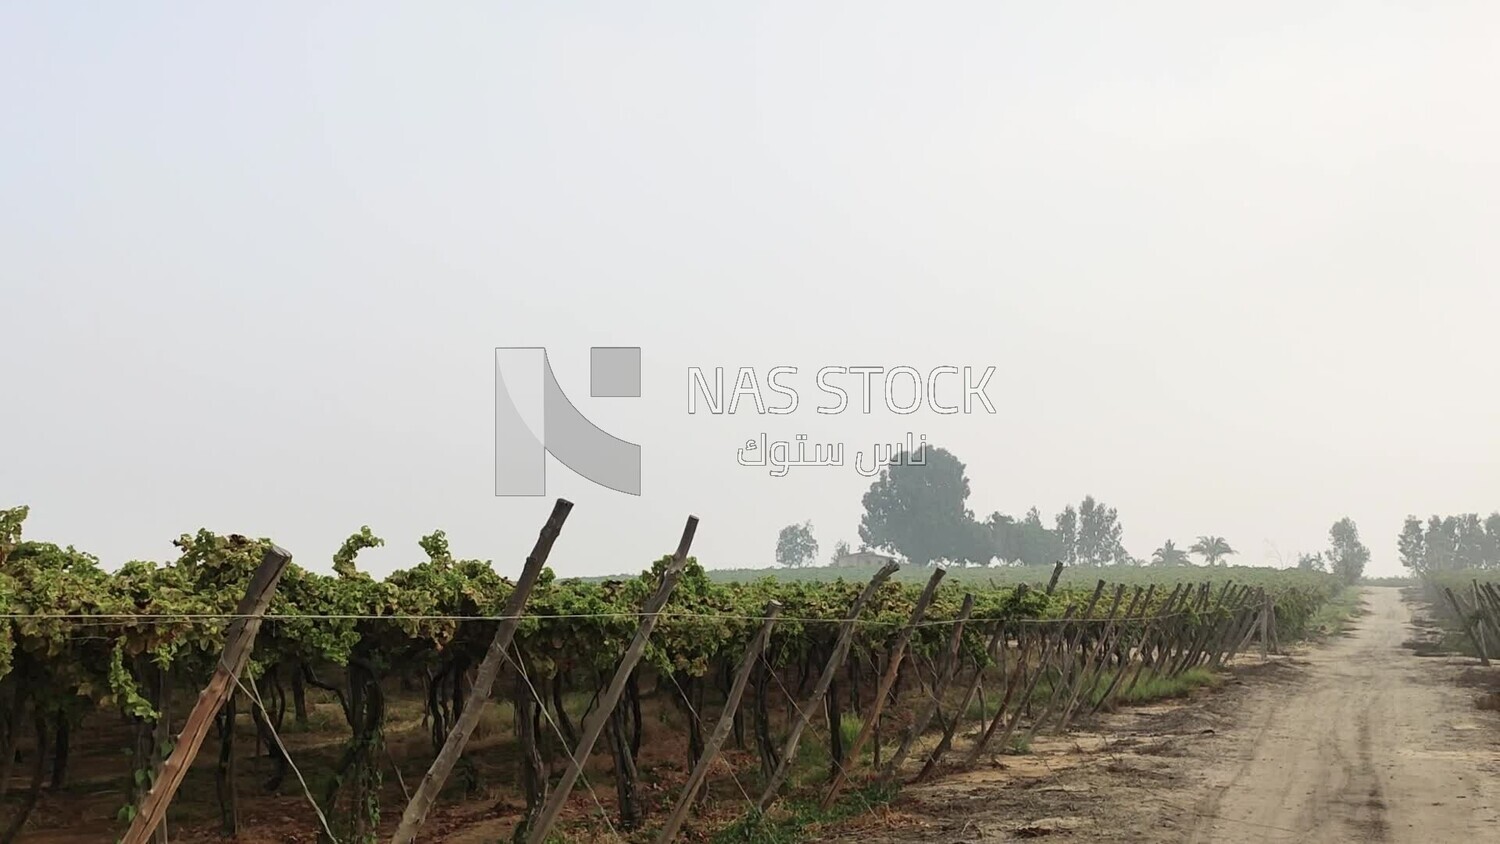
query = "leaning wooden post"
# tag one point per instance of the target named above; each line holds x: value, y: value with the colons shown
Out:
x: 1480, y: 620
x: 1056, y: 573
x: 1154, y: 641
x: 997, y: 643
x: 1200, y: 638
x: 945, y: 675
x: 1050, y: 641
x: 1093, y: 665
x: 593, y: 725
x: 239, y: 640
x: 721, y: 729
x: 484, y: 680
x: 1229, y: 636
x: 1114, y: 682
x: 1252, y: 623
x: 1468, y: 626
x: 1065, y: 679
x: 1485, y: 608
x: 1265, y: 627
x: 835, y: 661
x: 892, y: 666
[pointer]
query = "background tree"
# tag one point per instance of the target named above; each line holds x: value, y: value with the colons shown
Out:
x: 1311, y: 562
x: 1492, y: 541
x: 1412, y: 546
x: 1099, y: 534
x: 1025, y: 542
x: 1067, y: 534
x: 1468, y: 549
x: 918, y: 509
x: 795, y: 546
x: 1441, y: 542
x: 1170, y: 555
x: 1346, y: 554
x: 840, y: 549
x: 1212, y: 549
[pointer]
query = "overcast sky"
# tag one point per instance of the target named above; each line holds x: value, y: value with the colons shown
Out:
x: 1236, y: 269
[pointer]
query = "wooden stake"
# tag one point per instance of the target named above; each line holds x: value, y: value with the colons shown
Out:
x: 593, y: 725
x: 893, y: 665
x: 1051, y: 639
x: 1114, y: 682
x: 484, y: 681
x: 722, y: 728
x: 239, y: 640
x: 1154, y: 638
x: 835, y: 661
x: 1468, y: 625
x: 997, y: 644
x: 950, y: 667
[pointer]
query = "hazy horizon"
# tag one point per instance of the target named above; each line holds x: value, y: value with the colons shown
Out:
x: 1235, y: 268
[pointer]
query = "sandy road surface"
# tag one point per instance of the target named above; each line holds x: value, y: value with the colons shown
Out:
x: 1356, y: 739
x: 1373, y: 744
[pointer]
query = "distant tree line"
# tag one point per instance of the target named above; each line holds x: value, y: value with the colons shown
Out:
x: 918, y: 508
x: 1450, y: 543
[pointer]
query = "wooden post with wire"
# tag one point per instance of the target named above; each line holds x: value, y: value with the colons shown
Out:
x: 951, y: 658
x: 722, y: 728
x: 239, y: 640
x: 484, y: 680
x: 593, y: 725
x: 835, y: 662
x: 893, y: 666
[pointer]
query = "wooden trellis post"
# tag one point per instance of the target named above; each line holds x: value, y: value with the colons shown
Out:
x: 484, y: 680
x: 835, y: 662
x: 1468, y: 624
x: 945, y: 675
x: 721, y: 729
x: 893, y: 666
x: 593, y: 725
x: 239, y: 640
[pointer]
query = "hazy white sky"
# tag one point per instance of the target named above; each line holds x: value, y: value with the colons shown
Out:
x: 1236, y: 268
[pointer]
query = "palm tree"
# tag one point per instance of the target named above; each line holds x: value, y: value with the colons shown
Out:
x: 1212, y: 549
x: 1170, y: 555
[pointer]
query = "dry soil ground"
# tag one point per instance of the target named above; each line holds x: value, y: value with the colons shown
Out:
x: 1357, y: 739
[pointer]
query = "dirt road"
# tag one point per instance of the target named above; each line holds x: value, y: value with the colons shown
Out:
x: 1356, y: 739
x: 1371, y: 745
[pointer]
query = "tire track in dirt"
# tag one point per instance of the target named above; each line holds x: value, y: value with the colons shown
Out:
x: 1370, y: 743
x: 1353, y: 740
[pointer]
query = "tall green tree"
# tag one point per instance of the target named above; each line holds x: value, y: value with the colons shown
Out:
x: 1492, y: 541
x: 1411, y: 545
x: 1099, y: 534
x: 1346, y: 554
x: 1025, y: 542
x: 1170, y: 555
x: 1212, y: 549
x: 1468, y: 551
x: 1067, y: 534
x: 795, y: 546
x: 917, y: 507
x: 1441, y: 542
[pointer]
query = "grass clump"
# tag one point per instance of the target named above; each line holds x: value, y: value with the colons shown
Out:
x: 1153, y: 686
x: 797, y: 820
